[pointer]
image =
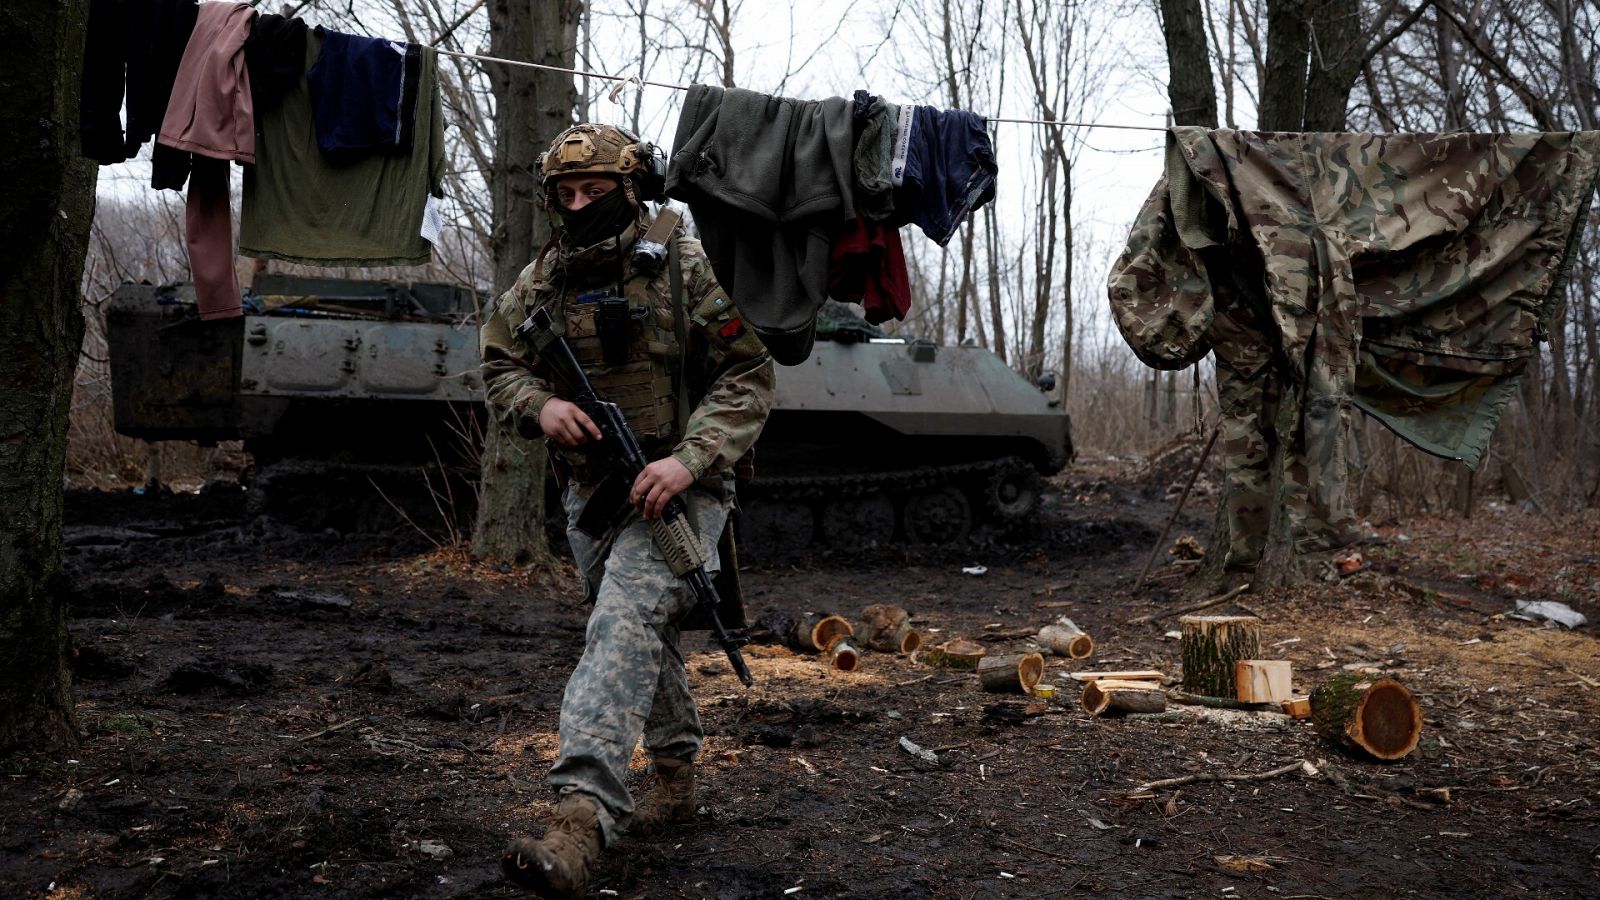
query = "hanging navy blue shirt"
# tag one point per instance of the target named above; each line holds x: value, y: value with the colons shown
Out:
x: 360, y: 96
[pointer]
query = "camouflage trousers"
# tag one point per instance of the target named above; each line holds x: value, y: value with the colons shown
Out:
x: 630, y: 682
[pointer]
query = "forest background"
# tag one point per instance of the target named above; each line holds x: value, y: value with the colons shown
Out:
x: 1026, y: 275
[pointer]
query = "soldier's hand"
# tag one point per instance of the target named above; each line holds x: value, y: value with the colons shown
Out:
x: 659, y: 482
x: 567, y: 424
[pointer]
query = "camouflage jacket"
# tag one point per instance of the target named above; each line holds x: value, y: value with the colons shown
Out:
x: 736, y: 381
x: 1409, y: 275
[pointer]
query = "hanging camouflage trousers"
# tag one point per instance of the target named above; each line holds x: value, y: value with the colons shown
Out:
x: 630, y: 681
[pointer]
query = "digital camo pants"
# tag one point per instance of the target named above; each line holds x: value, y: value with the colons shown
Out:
x: 630, y: 681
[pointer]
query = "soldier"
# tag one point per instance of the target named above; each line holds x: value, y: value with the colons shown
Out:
x: 656, y: 335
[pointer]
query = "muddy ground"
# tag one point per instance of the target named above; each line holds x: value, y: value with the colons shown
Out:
x: 269, y: 713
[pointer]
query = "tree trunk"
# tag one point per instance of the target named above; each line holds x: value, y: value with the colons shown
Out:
x: 1189, y: 87
x: 1283, y: 91
x: 45, y: 213
x: 532, y: 106
x: 1335, y: 64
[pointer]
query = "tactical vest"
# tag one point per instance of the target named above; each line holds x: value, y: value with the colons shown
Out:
x: 629, y: 345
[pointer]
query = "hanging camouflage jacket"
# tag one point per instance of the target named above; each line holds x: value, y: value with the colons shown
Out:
x: 1407, y: 274
x: 730, y: 374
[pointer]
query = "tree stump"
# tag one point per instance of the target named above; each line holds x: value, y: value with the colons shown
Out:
x: 817, y: 631
x: 1065, y: 638
x: 1011, y: 674
x: 1211, y: 646
x: 887, y: 628
x: 957, y: 653
x: 1365, y: 715
x: 1114, y: 698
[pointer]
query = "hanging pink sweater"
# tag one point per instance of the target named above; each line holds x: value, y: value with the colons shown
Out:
x: 211, y: 115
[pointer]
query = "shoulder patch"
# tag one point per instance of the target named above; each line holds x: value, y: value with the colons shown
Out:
x: 732, y: 331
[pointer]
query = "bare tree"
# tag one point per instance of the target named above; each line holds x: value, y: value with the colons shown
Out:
x: 44, y: 225
x: 531, y: 108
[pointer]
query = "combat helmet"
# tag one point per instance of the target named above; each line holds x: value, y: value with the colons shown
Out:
x: 605, y: 150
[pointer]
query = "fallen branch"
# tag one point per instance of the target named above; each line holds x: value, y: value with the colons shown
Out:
x: 1196, y: 607
x: 1227, y: 776
x: 1189, y: 699
x: 1177, y: 508
x: 331, y: 729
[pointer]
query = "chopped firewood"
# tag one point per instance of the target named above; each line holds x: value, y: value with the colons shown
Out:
x: 1364, y: 715
x: 843, y: 654
x: 1135, y: 675
x: 1107, y: 697
x: 1010, y: 674
x: 1299, y: 707
x: 1065, y: 638
x: 887, y: 628
x: 817, y: 631
x: 957, y: 653
x: 1211, y: 645
x: 1262, y: 680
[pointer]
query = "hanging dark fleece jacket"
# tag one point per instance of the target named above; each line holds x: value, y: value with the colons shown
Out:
x: 768, y: 181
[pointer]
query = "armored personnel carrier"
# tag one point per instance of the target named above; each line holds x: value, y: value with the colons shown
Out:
x: 876, y: 439
x: 356, y: 399
x: 342, y: 390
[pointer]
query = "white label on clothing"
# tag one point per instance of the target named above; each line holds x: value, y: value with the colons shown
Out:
x: 902, y: 144
x: 432, y: 223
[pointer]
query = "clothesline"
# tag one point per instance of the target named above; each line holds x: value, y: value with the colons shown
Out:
x: 683, y: 87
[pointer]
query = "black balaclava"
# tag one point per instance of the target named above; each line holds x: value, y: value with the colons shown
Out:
x: 600, y: 219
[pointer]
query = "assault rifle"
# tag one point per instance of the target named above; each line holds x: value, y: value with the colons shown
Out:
x: 608, y: 506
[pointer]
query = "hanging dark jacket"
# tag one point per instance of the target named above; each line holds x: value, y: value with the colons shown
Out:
x: 768, y: 180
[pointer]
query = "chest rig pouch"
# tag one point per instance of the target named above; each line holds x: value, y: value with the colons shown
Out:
x: 628, y: 344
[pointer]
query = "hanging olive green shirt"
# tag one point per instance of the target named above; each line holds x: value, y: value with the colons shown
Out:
x: 300, y: 208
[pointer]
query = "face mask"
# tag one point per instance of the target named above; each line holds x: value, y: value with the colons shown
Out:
x: 600, y: 219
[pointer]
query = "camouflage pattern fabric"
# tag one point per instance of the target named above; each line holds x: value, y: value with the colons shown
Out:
x: 630, y: 680
x: 1408, y: 275
x: 731, y: 361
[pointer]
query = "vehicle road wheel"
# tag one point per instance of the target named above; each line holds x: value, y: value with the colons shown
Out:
x: 1012, y: 490
x: 938, y: 516
x: 858, y: 521
x: 775, y: 529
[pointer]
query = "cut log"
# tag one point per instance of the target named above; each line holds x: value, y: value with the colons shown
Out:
x: 1364, y: 715
x: 1299, y: 707
x: 844, y: 655
x: 887, y: 628
x: 1011, y: 674
x: 1115, y: 698
x: 1262, y: 680
x: 1211, y: 645
x: 816, y: 632
x: 1065, y: 638
x: 1138, y: 675
x: 958, y: 653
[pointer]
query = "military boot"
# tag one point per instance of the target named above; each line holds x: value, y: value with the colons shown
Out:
x: 557, y: 866
x: 669, y: 800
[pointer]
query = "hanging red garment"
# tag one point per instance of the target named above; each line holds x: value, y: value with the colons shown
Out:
x: 868, y: 266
